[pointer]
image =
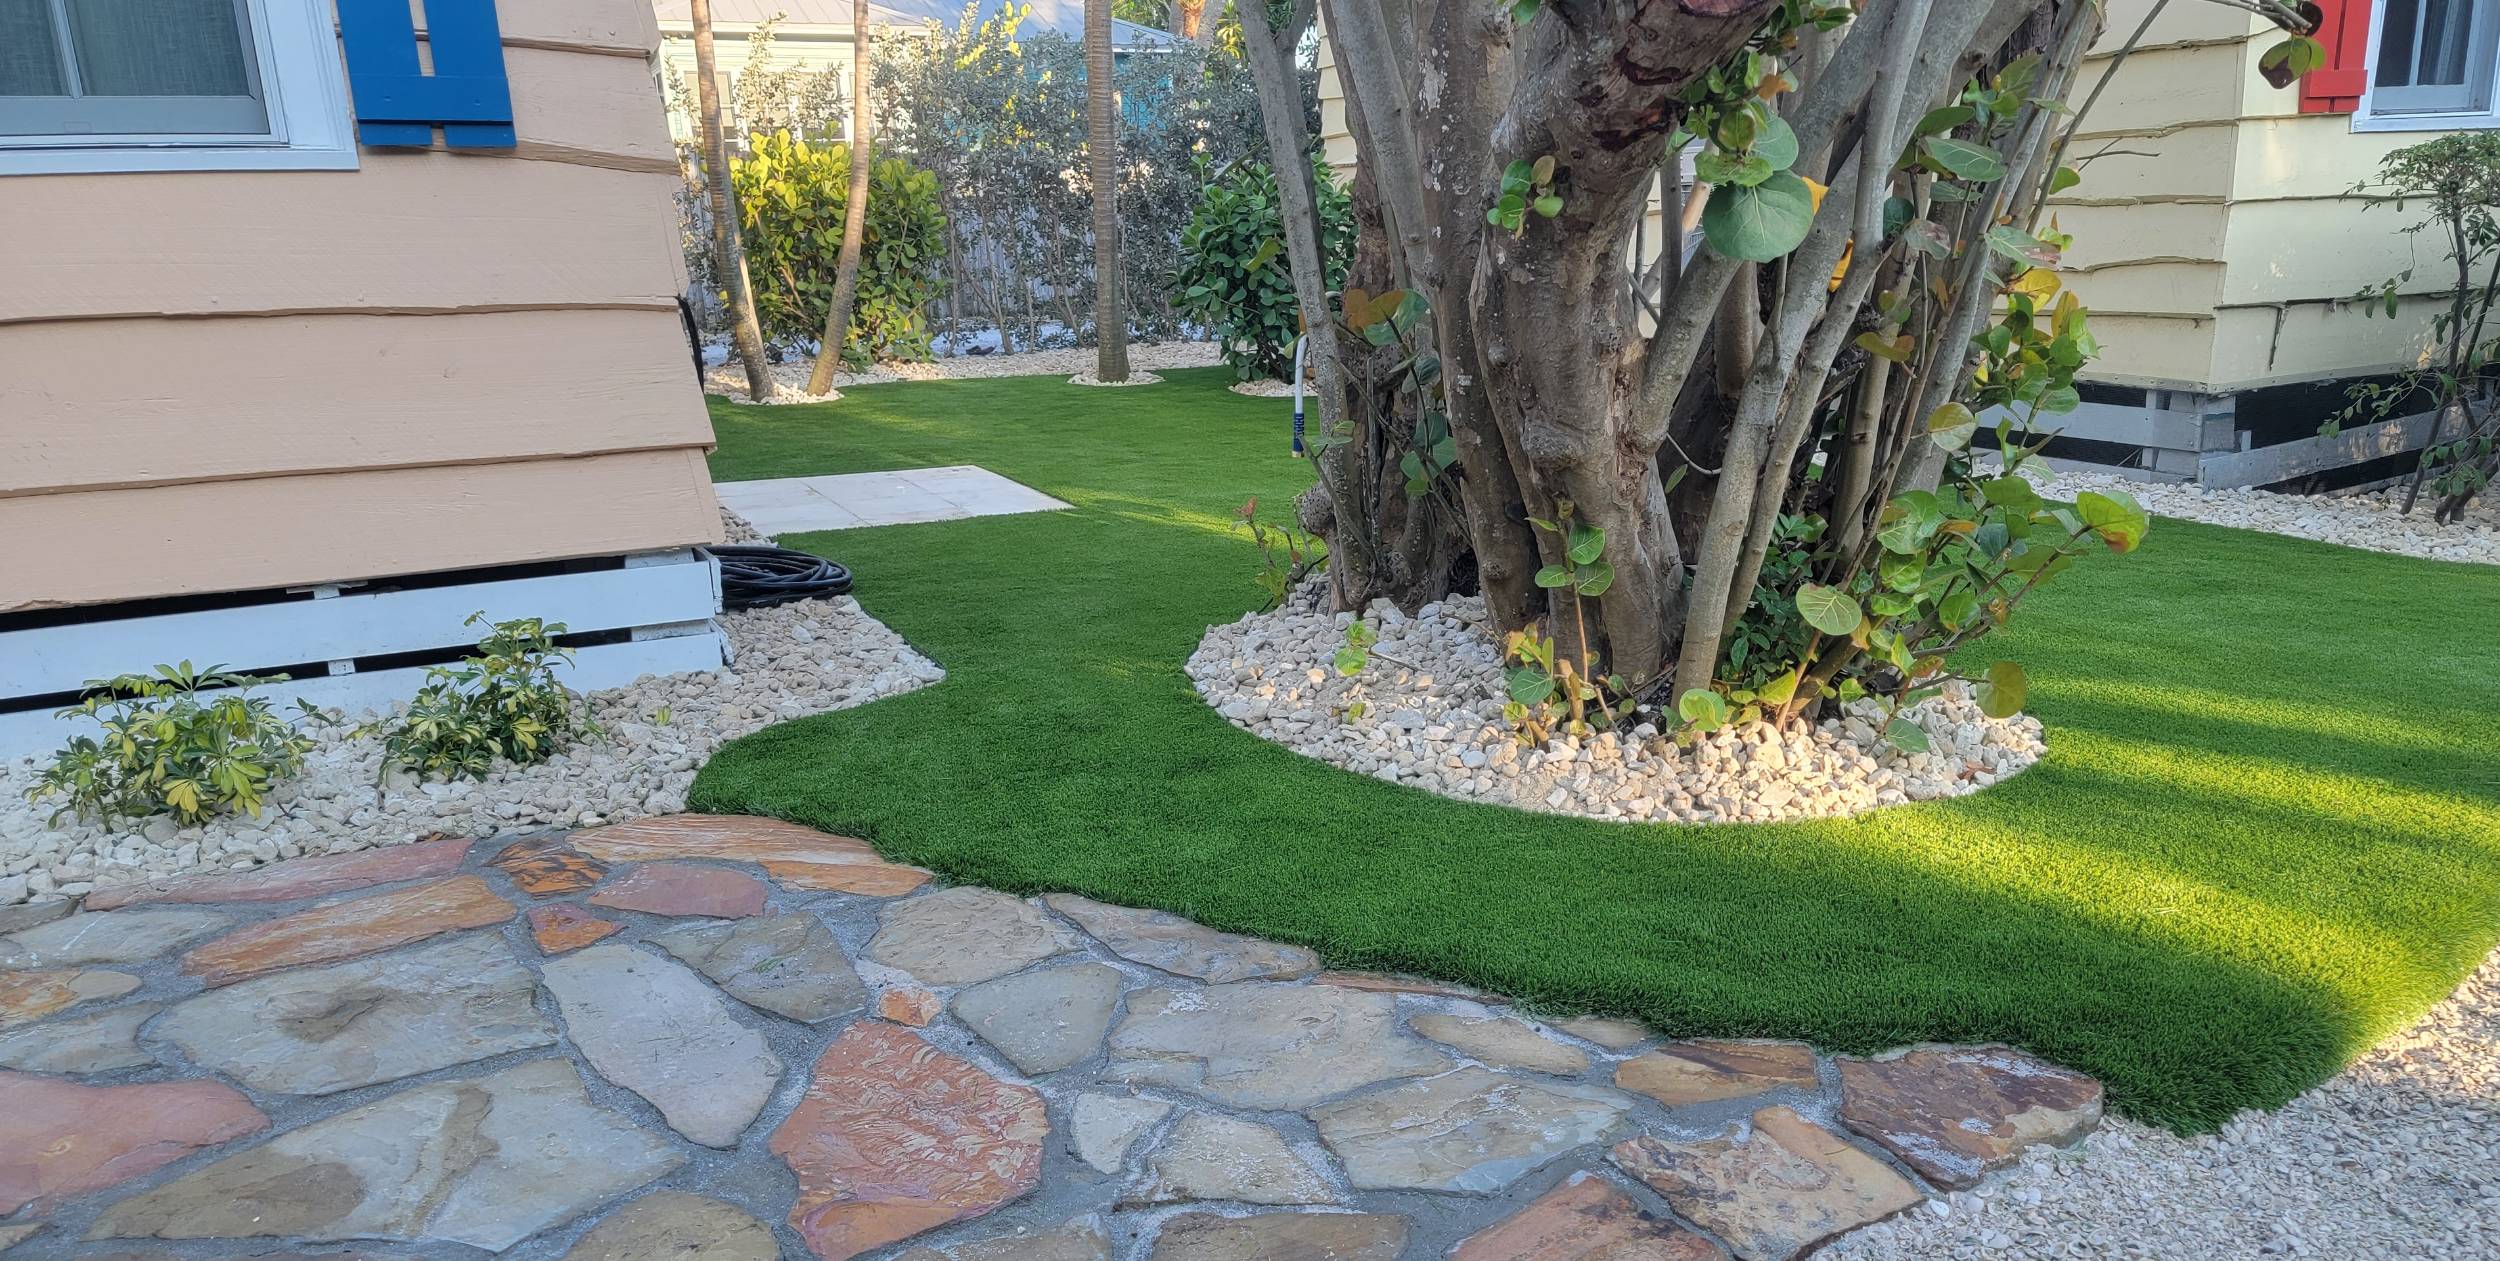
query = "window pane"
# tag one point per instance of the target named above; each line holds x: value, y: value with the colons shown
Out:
x: 160, y: 48
x: 2444, y: 44
x: 2395, y: 44
x: 30, y: 57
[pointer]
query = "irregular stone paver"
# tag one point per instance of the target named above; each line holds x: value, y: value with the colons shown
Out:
x: 109, y: 937
x: 1585, y: 1219
x: 1386, y: 982
x: 789, y: 965
x: 294, y: 878
x: 907, y: 1005
x: 797, y: 856
x: 1605, y: 1031
x: 656, y: 1029
x: 1256, y: 1045
x: 675, y: 1226
x: 316, y: 1031
x: 965, y: 936
x: 1208, y: 1157
x: 1101, y: 1128
x: 26, y: 997
x: 26, y: 915
x: 684, y: 889
x: 59, y: 1139
x: 1045, y: 1020
x: 895, y: 1137
x: 486, y: 1161
x: 1682, y: 1073
x: 1162, y: 940
x: 1954, y: 1113
x: 348, y: 929
x: 1471, y: 1130
x: 1281, y: 1237
x: 546, y: 867
x: 1777, y: 1192
x: 1502, y: 1042
x: 1079, y: 1240
x: 99, y: 1043
x: 563, y: 928
x: 12, y: 1236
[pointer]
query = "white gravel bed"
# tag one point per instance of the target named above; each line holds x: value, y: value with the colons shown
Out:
x: 2397, y: 1157
x: 1432, y: 718
x: 789, y: 662
x: 1263, y: 387
x: 2369, y: 521
x: 1135, y: 377
x: 790, y: 378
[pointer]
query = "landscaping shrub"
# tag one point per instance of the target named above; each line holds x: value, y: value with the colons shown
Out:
x: 792, y: 195
x: 165, y: 749
x: 1233, y: 274
x: 501, y: 704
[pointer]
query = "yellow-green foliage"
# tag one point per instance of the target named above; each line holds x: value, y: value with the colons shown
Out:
x: 792, y: 197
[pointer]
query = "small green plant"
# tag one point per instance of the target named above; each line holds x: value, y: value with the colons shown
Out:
x: 1233, y: 273
x: 791, y: 199
x: 1286, y: 554
x: 502, y: 703
x: 1548, y: 689
x: 163, y: 748
x: 1526, y: 186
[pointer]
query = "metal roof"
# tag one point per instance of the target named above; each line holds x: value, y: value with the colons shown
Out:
x: 1067, y: 17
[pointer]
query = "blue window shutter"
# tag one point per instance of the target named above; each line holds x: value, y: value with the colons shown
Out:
x: 398, y: 104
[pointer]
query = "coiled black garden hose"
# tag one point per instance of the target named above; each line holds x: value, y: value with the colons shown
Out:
x: 754, y: 577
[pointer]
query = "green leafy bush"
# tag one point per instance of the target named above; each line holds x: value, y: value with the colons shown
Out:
x: 166, y: 749
x: 501, y: 704
x: 792, y: 196
x: 1233, y: 272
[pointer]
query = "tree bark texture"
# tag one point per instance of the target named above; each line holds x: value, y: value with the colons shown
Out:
x: 854, y: 214
x: 729, y: 261
x: 1102, y: 171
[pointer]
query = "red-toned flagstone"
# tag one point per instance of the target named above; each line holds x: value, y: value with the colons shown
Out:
x: 26, y: 997
x: 546, y: 867
x: 59, y: 1139
x: 1955, y: 1112
x: 895, y: 1137
x: 560, y: 928
x: 907, y: 1005
x: 1705, y: 1070
x: 1585, y: 1219
x: 295, y: 878
x: 684, y: 889
x: 348, y: 929
x: 796, y: 856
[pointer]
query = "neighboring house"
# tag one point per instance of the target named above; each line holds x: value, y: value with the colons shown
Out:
x: 277, y: 393
x: 816, y: 35
x: 2217, y: 241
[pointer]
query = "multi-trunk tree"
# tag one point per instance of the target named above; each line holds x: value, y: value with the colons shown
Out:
x: 1734, y: 479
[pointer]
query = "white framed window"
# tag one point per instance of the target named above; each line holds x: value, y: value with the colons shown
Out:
x: 170, y: 85
x: 2431, y: 66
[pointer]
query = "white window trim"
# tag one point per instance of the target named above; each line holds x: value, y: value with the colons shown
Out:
x: 2366, y: 118
x: 311, y: 125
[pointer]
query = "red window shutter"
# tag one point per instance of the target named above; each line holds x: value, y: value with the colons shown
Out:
x: 2335, y: 88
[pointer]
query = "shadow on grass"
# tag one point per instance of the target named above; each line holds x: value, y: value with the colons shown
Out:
x: 2209, y: 908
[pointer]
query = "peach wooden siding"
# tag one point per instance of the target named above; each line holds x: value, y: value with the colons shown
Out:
x: 221, y: 381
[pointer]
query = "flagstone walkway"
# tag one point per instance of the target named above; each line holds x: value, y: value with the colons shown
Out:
x: 734, y: 1039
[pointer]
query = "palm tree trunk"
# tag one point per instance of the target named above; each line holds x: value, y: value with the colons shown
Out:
x: 1102, y: 170
x: 854, y: 214
x: 727, y: 259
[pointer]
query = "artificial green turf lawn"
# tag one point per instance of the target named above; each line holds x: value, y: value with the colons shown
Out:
x: 2267, y: 832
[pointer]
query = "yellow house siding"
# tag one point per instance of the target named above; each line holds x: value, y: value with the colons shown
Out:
x: 223, y: 381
